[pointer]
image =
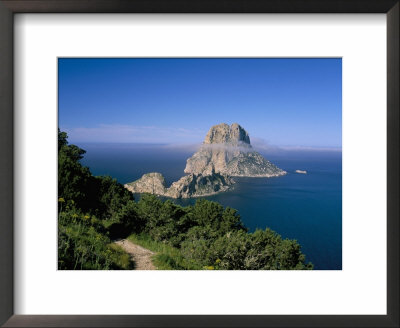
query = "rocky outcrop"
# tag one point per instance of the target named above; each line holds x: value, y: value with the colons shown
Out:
x: 225, y: 153
x: 233, y: 135
x: 191, y: 185
x: 153, y: 183
x: 227, y: 150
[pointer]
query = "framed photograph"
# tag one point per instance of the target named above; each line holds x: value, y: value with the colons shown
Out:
x: 213, y: 188
x: 216, y: 164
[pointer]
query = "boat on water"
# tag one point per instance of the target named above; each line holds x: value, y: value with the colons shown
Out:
x: 301, y: 171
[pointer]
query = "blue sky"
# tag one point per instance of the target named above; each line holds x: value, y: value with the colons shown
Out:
x: 280, y: 102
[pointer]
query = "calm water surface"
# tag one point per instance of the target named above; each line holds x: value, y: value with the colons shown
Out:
x: 305, y: 207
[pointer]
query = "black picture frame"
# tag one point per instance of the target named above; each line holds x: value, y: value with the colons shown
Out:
x: 10, y: 7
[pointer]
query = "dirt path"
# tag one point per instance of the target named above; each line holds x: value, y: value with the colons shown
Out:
x: 141, y: 256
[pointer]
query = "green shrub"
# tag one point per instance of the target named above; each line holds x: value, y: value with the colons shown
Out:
x: 81, y: 246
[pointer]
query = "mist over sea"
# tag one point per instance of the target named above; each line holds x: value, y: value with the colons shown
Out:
x: 305, y: 207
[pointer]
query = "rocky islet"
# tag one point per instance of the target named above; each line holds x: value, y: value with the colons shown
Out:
x: 225, y: 153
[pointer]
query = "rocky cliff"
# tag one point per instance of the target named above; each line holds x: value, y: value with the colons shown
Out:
x: 153, y: 183
x: 227, y: 150
x: 191, y: 185
x: 233, y: 135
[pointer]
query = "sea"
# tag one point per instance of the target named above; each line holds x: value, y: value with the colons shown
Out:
x: 305, y: 207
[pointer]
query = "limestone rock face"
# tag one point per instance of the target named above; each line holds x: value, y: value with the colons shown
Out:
x: 233, y: 135
x: 191, y: 185
x: 153, y: 183
x: 227, y: 150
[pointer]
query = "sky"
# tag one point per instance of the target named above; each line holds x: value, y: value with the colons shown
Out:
x: 283, y: 102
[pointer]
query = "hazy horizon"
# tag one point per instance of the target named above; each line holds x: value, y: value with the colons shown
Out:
x: 196, y: 146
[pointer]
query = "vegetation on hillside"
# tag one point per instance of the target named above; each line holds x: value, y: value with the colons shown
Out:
x: 93, y: 211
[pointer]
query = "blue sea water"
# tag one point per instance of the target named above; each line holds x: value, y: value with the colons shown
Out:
x: 305, y: 207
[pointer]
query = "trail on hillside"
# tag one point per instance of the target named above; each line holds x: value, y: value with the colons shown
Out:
x: 141, y: 256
